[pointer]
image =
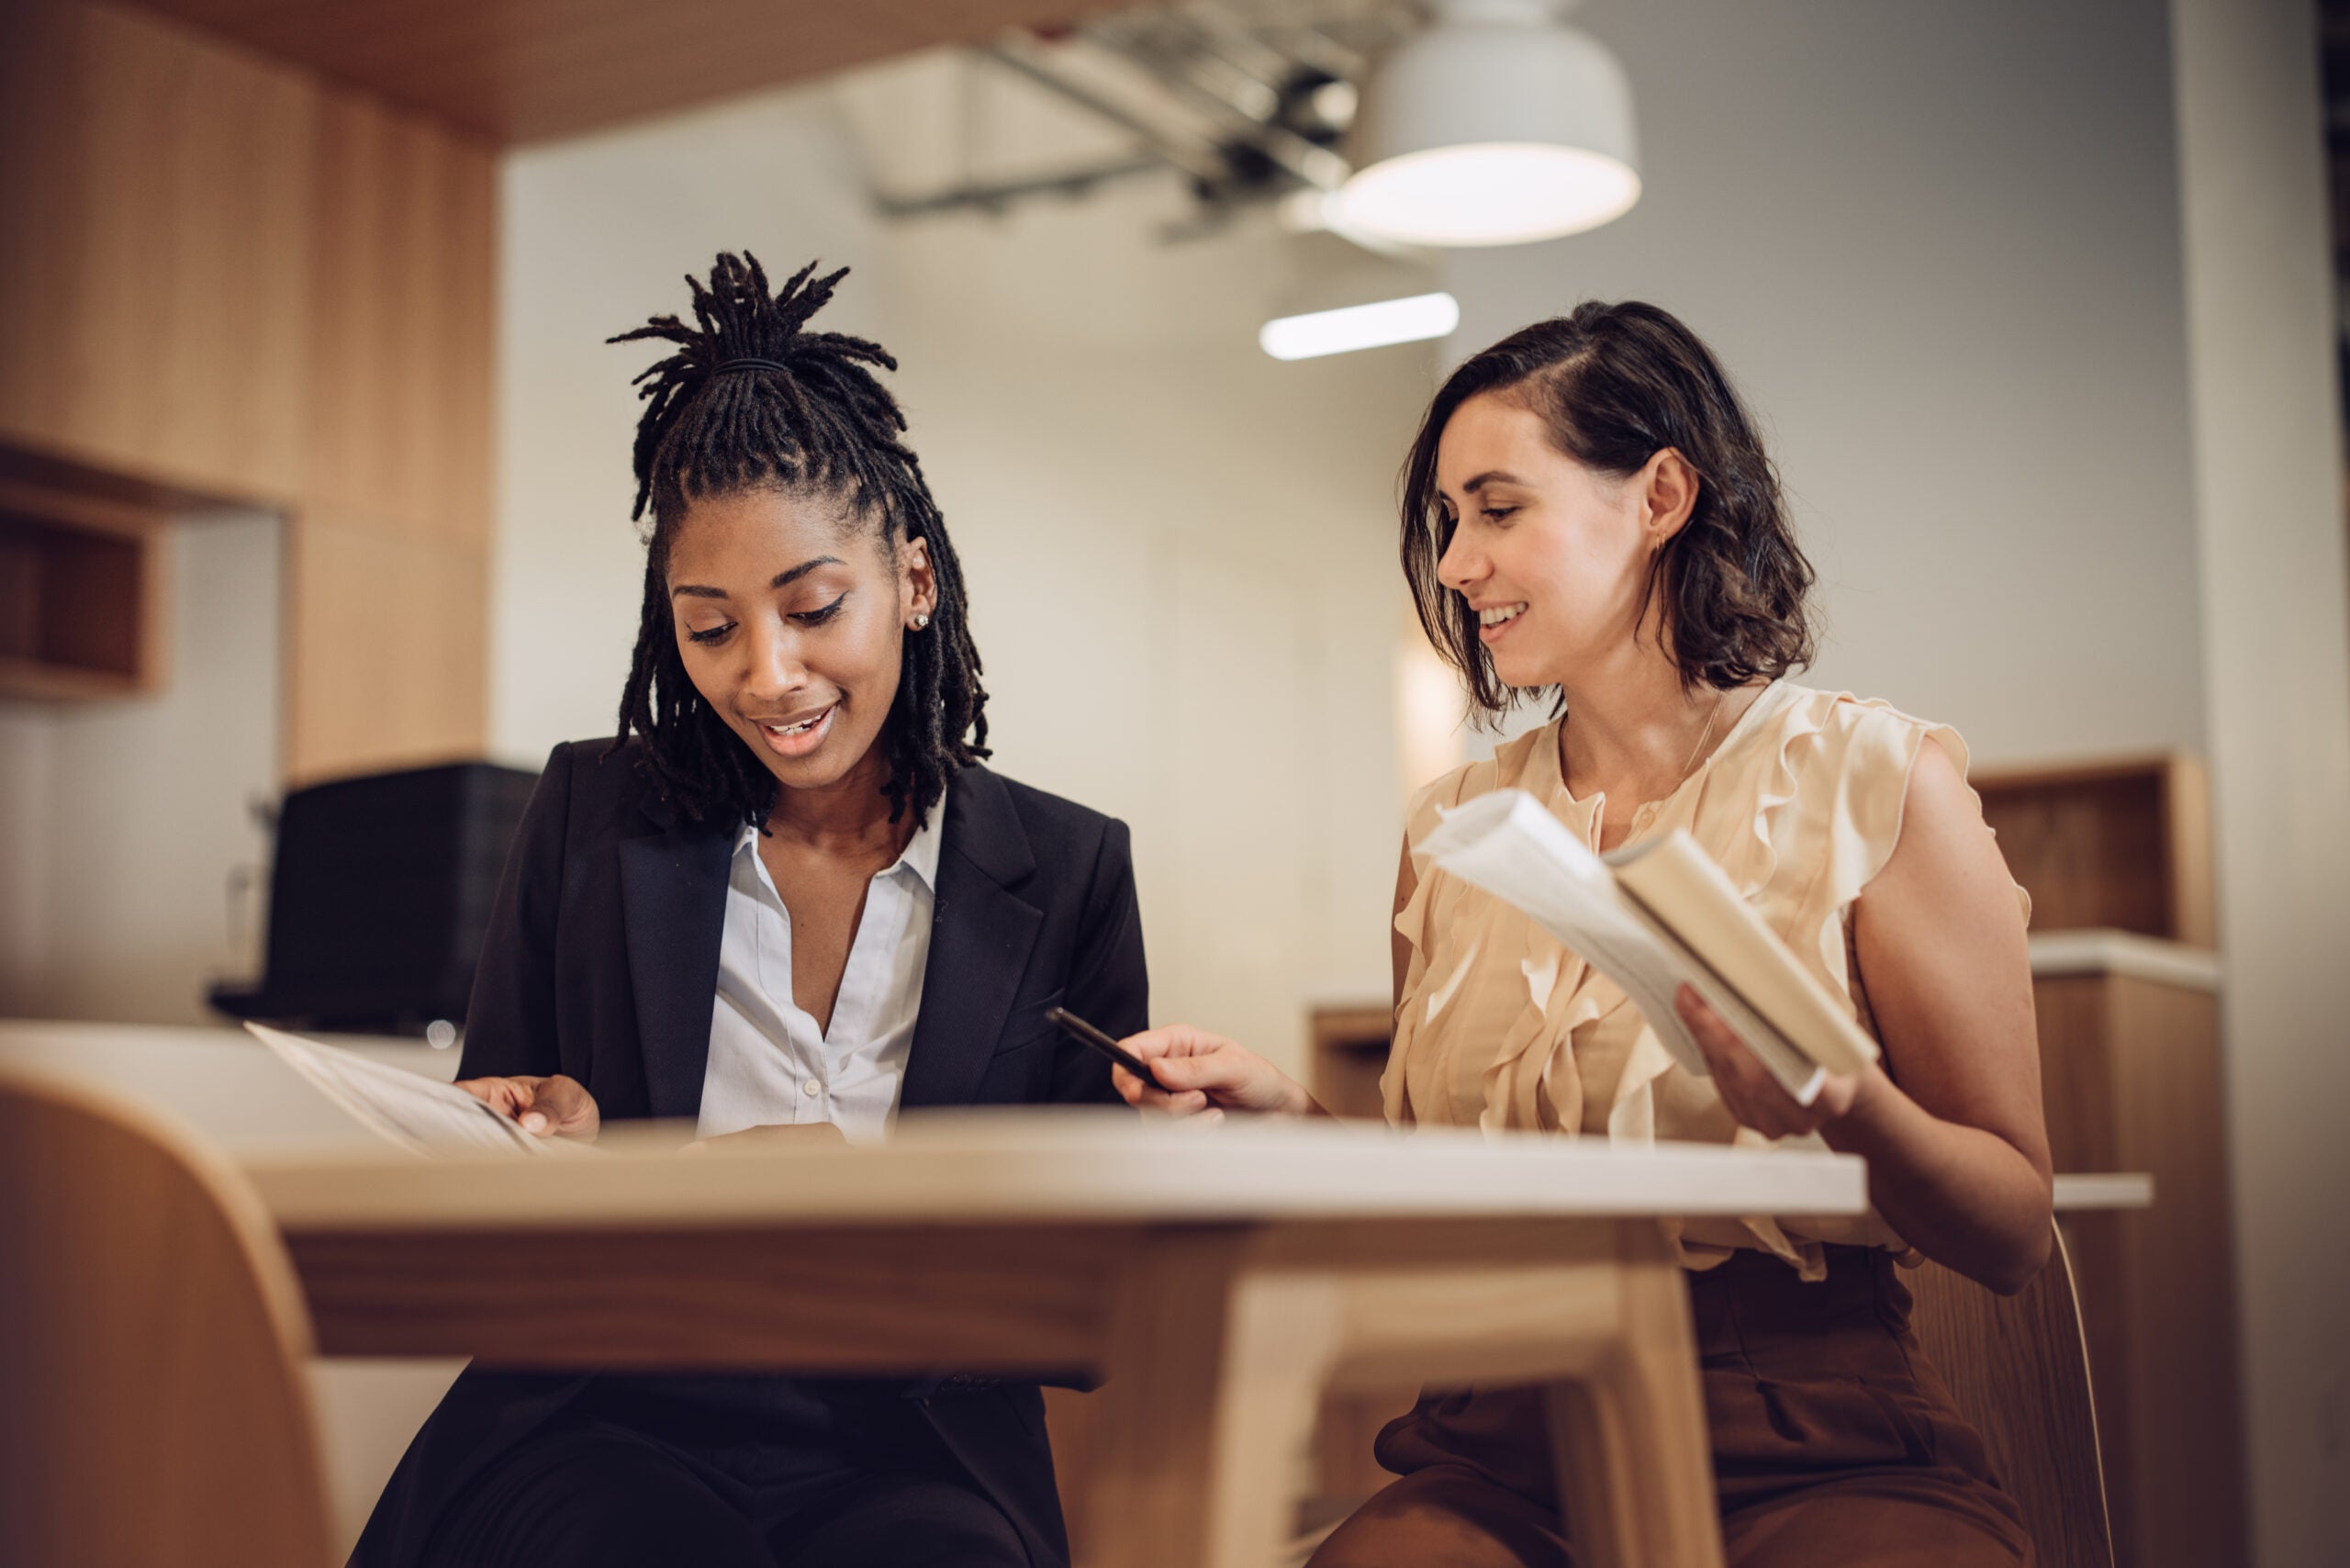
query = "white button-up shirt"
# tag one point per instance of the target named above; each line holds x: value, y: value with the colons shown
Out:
x: 768, y: 1062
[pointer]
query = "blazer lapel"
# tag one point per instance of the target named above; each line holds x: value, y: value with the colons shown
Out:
x: 673, y: 896
x: 980, y: 933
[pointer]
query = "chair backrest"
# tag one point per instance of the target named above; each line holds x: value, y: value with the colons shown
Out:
x: 2019, y: 1370
x: 154, y: 1403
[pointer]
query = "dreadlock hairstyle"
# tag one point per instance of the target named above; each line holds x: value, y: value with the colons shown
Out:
x: 750, y: 399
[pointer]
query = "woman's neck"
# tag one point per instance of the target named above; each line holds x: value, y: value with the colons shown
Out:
x: 849, y: 816
x: 1634, y: 732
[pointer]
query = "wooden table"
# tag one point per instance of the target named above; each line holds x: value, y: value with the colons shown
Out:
x: 1219, y: 1279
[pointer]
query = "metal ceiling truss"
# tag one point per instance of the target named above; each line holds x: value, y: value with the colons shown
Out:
x: 1247, y: 102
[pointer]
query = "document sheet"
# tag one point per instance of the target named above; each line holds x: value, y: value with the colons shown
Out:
x: 419, y: 1113
x: 1507, y: 844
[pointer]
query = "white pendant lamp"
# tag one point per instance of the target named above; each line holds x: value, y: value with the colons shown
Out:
x: 1496, y: 125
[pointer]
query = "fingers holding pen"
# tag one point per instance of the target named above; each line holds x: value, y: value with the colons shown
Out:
x: 1202, y: 1074
x: 1172, y: 1090
x: 1191, y: 1103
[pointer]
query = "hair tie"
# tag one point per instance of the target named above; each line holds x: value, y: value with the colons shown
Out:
x: 725, y: 365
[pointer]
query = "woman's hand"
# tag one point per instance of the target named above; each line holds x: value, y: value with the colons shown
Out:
x: 1746, y: 1086
x: 1950, y: 1122
x: 1202, y: 1074
x: 548, y: 1107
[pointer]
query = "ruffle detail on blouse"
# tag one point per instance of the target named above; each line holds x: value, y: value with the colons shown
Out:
x: 1801, y: 804
x: 1865, y: 749
x: 1760, y: 851
x: 1531, y: 1080
x: 1434, y: 897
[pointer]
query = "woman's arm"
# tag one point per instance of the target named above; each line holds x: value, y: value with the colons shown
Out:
x: 1953, y: 1135
x: 1200, y: 1073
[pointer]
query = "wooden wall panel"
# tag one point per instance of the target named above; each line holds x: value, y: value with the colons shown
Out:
x: 386, y: 641
x: 154, y: 193
x: 388, y: 554
x: 402, y: 279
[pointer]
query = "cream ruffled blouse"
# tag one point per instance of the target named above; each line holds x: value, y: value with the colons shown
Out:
x: 1501, y: 1026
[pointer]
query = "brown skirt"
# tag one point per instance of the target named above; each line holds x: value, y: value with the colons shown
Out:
x: 1834, y: 1442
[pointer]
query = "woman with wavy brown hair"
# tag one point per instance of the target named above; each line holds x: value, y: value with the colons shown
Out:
x: 1590, y: 520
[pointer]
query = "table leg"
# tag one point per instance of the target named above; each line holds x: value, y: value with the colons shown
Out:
x: 1216, y: 1375
x: 1630, y: 1439
x: 1222, y: 1343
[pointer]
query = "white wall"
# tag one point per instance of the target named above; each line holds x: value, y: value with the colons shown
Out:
x: 2269, y: 497
x: 122, y: 823
x: 1179, y: 551
x: 1937, y: 246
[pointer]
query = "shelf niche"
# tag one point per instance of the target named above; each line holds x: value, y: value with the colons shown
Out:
x: 82, y: 592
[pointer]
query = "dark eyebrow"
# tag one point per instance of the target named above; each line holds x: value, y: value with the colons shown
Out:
x: 1490, y: 476
x: 781, y: 580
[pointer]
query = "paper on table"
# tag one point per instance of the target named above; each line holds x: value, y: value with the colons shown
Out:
x: 1509, y: 845
x: 421, y: 1114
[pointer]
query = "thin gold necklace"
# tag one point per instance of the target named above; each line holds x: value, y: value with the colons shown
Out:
x: 1703, y: 736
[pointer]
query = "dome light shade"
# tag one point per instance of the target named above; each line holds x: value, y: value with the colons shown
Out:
x: 1494, y: 127
x: 1489, y: 192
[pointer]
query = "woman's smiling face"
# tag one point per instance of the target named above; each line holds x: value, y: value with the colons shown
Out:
x: 1551, y: 557
x: 791, y: 613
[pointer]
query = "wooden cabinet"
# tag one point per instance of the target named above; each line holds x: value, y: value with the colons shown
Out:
x: 2130, y: 1065
x: 81, y: 595
x: 1349, y: 1054
x: 155, y: 250
x: 221, y: 278
x: 2117, y: 857
x: 2123, y: 844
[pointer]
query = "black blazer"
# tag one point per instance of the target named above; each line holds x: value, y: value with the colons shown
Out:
x: 601, y: 962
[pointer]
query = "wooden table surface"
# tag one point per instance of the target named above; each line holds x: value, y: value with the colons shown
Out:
x: 1220, y: 1279
x: 1043, y: 1165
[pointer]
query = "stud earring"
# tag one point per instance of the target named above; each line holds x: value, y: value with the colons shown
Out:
x: 922, y: 619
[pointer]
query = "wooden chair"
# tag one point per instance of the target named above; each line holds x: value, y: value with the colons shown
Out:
x: 154, y: 1411
x: 2019, y: 1370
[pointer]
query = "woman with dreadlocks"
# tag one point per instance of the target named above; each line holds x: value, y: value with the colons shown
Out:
x: 733, y: 913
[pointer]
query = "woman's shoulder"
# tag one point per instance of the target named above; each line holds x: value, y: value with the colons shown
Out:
x: 1830, y: 777
x: 603, y: 790
x: 1865, y: 740
x: 1036, y: 808
x: 1062, y: 836
x: 1506, y: 768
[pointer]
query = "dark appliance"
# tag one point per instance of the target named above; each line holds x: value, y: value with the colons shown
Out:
x: 379, y: 896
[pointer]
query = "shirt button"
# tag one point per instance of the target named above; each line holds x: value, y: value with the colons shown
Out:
x: 811, y: 1087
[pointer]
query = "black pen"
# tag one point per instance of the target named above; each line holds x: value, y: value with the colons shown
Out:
x: 1090, y: 1035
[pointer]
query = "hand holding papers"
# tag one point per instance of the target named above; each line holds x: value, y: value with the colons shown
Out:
x: 420, y: 1114
x: 1652, y: 920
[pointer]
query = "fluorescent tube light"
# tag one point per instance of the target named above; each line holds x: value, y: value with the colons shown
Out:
x: 1376, y: 326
